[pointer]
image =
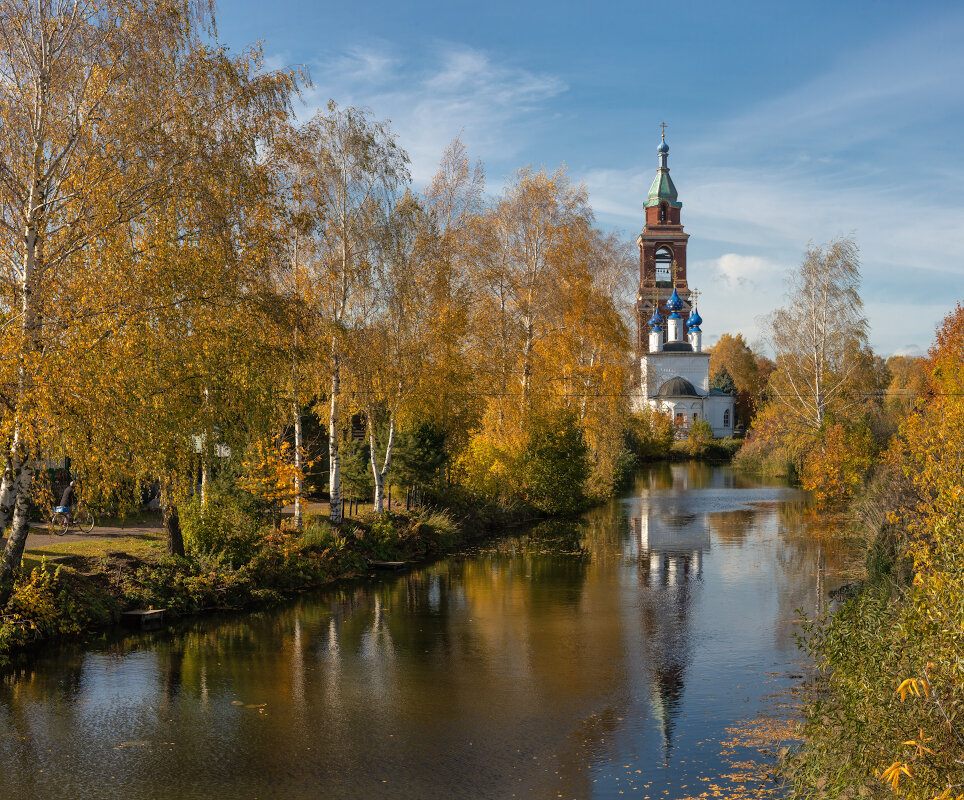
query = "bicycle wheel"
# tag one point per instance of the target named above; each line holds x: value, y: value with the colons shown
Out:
x: 59, y: 523
x: 84, y: 520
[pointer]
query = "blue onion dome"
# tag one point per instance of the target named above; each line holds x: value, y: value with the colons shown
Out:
x: 695, y: 320
x: 696, y: 329
x: 675, y: 315
x: 663, y: 147
x: 675, y: 303
x: 655, y: 321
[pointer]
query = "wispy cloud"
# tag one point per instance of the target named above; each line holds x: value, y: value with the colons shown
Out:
x: 431, y: 97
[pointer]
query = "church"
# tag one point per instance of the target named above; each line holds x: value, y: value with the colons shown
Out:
x: 674, y: 372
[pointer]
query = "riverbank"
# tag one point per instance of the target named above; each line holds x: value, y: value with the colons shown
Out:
x: 622, y: 649
x: 78, y: 594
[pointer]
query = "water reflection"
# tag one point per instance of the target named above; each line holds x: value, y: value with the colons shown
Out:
x: 580, y: 659
x: 671, y: 541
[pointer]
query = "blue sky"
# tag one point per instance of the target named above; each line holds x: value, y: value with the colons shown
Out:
x: 787, y: 122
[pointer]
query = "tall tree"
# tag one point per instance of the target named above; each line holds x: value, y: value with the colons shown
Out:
x: 733, y: 354
x: 84, y: 94
x: 351, y: 165
x: 137, y: 321
x: 819, y: 335
x: 539, y: 221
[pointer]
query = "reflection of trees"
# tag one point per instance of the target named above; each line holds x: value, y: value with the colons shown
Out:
x: 536, y: 646
x: 732, y: 527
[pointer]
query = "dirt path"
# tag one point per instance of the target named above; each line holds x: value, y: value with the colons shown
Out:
x: 41, y: 538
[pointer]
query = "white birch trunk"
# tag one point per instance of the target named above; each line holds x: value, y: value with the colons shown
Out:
x: 18, y: 488
x: 14, y: 495
x: 296, y: 415
x: 299, y: 483
x: 334, y: 457
x: 13, y: 553
x: 8, y: 486
x: 379, y: 474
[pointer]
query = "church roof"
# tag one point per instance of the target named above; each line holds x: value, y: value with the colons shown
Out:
x: 677, y: 387
x: 662, y: 190
x: 677, y: 347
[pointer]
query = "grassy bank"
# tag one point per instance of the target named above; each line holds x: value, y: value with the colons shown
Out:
x: 232, y: 564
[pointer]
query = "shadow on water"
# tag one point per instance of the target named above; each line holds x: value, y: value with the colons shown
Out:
x: 580, y: 659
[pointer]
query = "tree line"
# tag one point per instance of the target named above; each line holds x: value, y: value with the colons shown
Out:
x: 189, y: 272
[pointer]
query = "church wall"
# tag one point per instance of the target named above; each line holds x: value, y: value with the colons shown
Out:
x: 716, y: 407
x: 657, y: 368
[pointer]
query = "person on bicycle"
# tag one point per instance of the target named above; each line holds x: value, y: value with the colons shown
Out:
x: 69, y: 498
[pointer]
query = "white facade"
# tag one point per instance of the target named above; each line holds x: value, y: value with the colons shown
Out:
x: 675, y: 376
x: 657, y: 368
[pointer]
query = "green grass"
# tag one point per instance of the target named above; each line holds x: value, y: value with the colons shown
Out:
x: 141, y: 546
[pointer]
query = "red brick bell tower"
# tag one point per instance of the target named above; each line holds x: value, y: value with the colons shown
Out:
x: 662, y: 249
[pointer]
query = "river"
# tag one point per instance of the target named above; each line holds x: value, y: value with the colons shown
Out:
x: 603, y: 658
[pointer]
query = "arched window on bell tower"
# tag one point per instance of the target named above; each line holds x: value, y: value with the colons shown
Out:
x: 664, y: 267
x: 662, y: 212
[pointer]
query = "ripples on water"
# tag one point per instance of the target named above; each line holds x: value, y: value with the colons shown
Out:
x: 597, y: 659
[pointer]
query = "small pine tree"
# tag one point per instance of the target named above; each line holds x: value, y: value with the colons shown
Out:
x: 419, y: 455
x: 724, y: 382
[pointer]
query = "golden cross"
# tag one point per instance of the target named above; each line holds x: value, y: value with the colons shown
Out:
x: 663, y: 126
x: 673, y: 268
x: 695, y: 294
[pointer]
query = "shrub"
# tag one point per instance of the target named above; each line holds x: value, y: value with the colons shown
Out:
x: 650, y: 435
x: 555, y: 465
x: 221, y: 528
x: 699, y: 438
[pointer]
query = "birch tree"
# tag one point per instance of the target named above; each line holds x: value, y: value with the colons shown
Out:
x: 820, y: 335
x: 351, y: 166
x: 82, y: 88
x: 146, y: 213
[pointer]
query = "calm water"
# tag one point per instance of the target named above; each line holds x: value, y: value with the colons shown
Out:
x: 591, y: 660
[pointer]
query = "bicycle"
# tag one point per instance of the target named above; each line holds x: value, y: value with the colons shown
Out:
x: 61, y: 520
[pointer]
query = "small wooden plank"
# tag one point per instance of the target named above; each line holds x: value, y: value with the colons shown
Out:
x: 387, y: 564
x: 143, y: 618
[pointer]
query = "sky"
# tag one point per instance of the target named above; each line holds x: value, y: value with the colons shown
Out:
x: 788, y: 123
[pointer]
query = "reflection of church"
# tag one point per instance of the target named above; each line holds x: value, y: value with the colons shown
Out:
x: 674, y: 375
x: 671, y: 545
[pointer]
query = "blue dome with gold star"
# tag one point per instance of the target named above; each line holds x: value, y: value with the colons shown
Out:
x: 655, y: 321
x: 675, y: 302
x: 694, y: 320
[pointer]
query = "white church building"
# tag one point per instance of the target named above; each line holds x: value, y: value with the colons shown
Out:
x: 674, y: 372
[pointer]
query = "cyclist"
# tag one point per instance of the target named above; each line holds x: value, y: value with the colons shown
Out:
x: 69, y: 499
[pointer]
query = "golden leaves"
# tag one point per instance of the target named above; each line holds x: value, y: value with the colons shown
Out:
x: 892, y: 774
x: 916, y: 687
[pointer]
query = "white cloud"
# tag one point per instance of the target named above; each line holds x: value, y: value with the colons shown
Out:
x: 435, y: 96
x: 741, y: 270
x: 909, y: 350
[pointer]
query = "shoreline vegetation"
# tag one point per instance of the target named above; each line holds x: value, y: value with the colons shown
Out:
x: 233, y: 563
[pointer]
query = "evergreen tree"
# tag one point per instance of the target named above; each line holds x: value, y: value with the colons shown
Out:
x: 724, y: 382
